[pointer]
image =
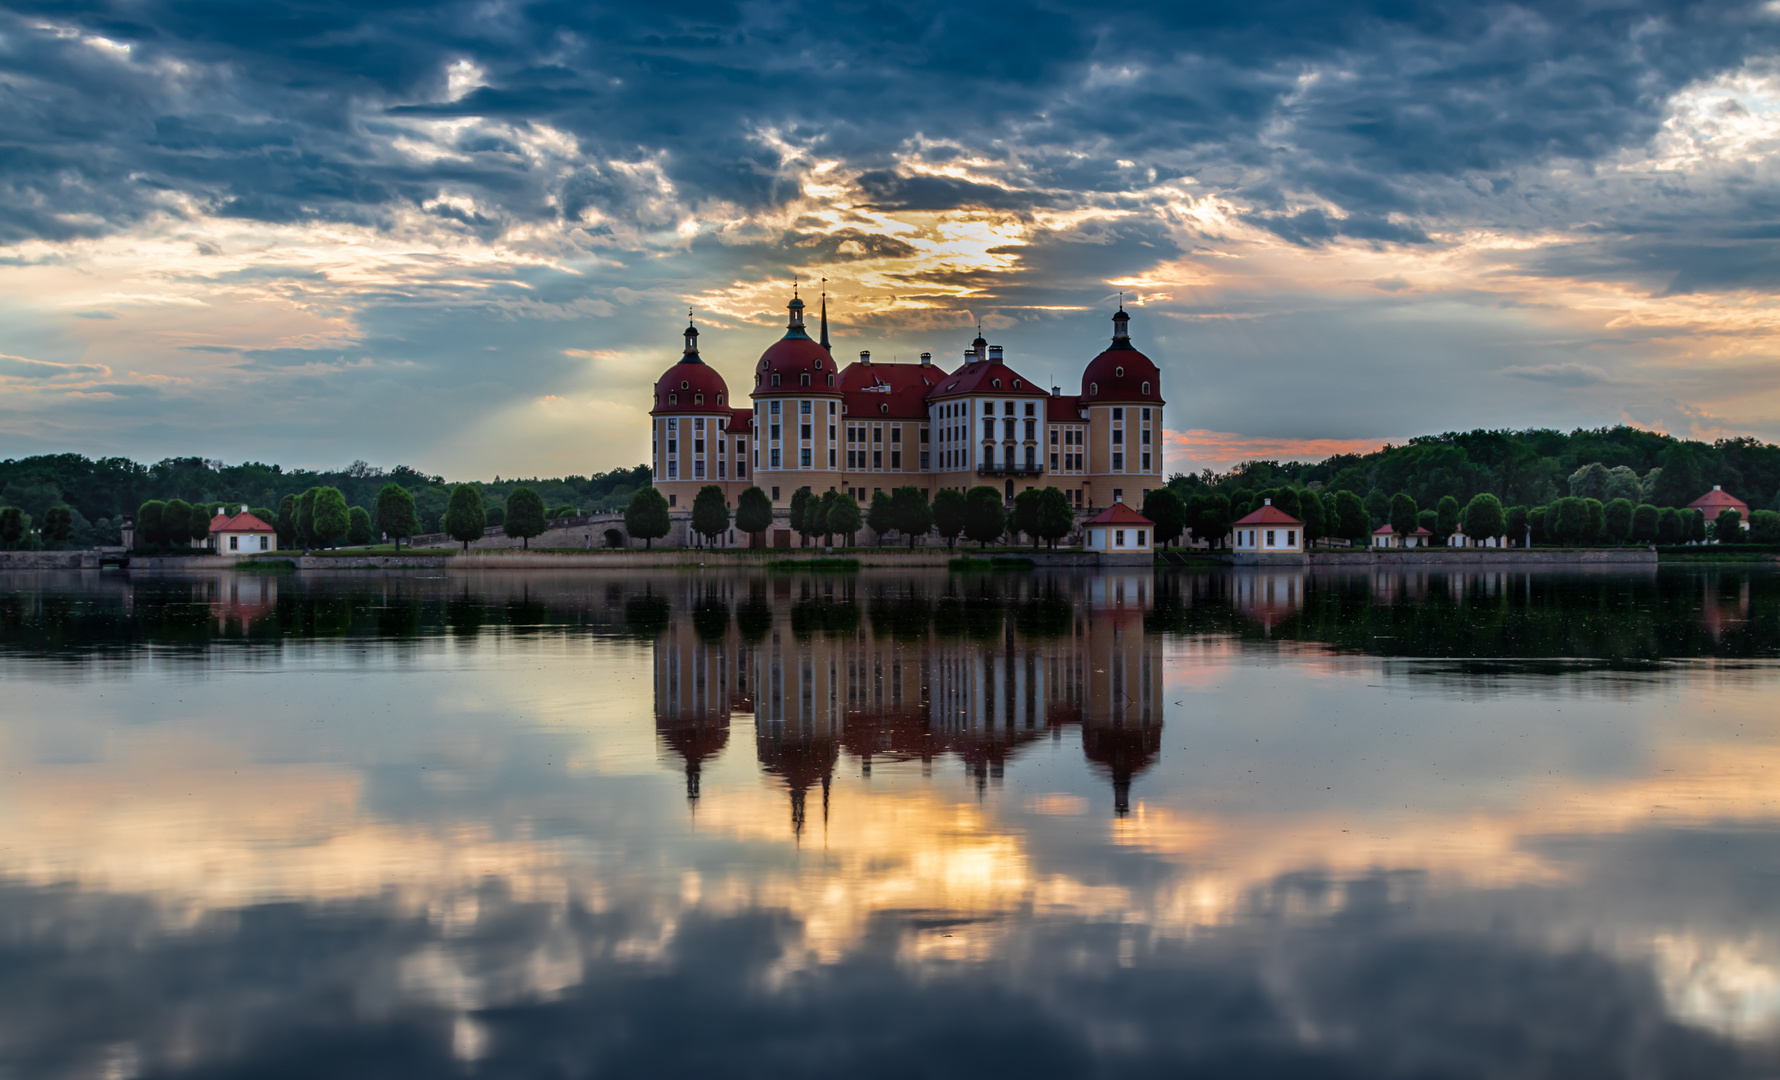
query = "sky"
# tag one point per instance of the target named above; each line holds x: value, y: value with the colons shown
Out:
x: 465, y: 236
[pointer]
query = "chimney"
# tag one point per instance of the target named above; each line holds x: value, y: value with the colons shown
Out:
x: 1269, y: 502
x: 926, y: 359
x: 865, y: 357
x: 1056, y: 391
x: 1716, y: 487
x: 244, y: 508
x: 970, y: 356
x: 995, y: 354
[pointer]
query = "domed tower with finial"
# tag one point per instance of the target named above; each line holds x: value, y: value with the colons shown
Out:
x: 1121, y: 400
x: 695, y: 437
x: 797, y: 413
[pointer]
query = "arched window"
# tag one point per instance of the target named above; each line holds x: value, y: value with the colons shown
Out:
x: 673, y: 399
x: 996, y: 383
x: 1016, y: 384
x: 1119, y: 371
x: 804, y: 379
x: 831, y: 380
x: 757, y: 378
x: 720, y: 397
x: 1146, y: 386
x: 775, y: 378
x: 1093, y: 388
x: 698, y: 399
x: 883, y: 408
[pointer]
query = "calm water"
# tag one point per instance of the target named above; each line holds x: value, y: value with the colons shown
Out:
x: 1228, y: 824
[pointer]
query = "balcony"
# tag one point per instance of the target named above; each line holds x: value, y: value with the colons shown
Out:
x: 1008, y: 468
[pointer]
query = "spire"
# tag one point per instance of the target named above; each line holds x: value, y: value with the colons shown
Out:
x: 691, y: 356
x: 823, y: 340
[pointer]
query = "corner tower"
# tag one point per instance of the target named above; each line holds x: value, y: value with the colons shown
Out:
x: 1121, y: 401
x: 796, y: 421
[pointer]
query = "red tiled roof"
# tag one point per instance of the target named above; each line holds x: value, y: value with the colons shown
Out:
x: 1268, y: 515
x: 979, y: 376
x: 1062, y: 409
x: 740, y: 418
x: 1385, y: 530
x: 1719, y: 499
x: 867, y: 388
x: 240, y: 523
x: 1119, y: 514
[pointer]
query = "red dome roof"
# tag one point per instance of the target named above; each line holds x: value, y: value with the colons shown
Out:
x: 1121, y: 373
x: 690, y: 386
x: 794, y: 356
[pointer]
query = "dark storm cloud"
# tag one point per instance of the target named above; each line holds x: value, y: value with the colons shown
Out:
x: 285, y: 113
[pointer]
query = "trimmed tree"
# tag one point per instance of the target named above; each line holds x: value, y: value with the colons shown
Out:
x: 13, y: 524
x: 176, y: 523
x: 1572, y: 524
x: 1483, y: 517
x: 1669, y: 528
x: 710, y: 512
x: 287, y: 522
x: 948, y: 514
x: 1517, y: 525
x: 1166, y: 509
x: 1680, y: 481
x: 1644, y: 524
x: 526, y: 519
x: 395, y: 514
x: 881, y: 515
x: 332, y: 517
x: 1056, y: 517
x: 148, y: 523
x: 198, y: 527
x: 1617, y: 520
x: 914, y: 517
x: 844, y: 517
x: 1696, y: 525
x: 1446, y: 519
x: 753, y: 512
x: 58, y: 524
x: 1764, y: 526
x: 646, y: 516
x: 1356, y: 523
x: 801, y: 501
x: 358, y: 527
x: 306, y: 518
x: 465, y: 519
x: 1727, y: 528
x: 1314, y: 515
x: 1597, y: 520
x: 985, y: 515
x: 1024, y: 519
x: 1403, y: 518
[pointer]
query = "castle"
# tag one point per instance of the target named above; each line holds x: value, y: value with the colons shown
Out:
x: 872, y: 427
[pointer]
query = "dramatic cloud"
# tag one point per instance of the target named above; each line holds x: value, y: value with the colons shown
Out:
x: 285, y: 218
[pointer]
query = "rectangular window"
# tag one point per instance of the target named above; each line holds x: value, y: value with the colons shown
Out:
x: 698, y: 469
x: 877, y: 435
x: 774, y: 462
x: 673, y: 423
x: 896, y: 434
x: 1140, y: 537
x: 1118, y: 414
x: 923, y: 436
x: 877, y: 459
x: 924, y: 465
x: 1146, y: 414
x: 1118, y: 538
x: 741, y: 470
x: 1007, y: 428
x: 774, y: 434
x: 806, y: 432
x: 234, y: 543
x: 831, y: 433
x: 1146, y: 463
x: 988, y: 408
x: 988, y: 429
x: 1053, y: 462
x: 1291, y: 538
x: 1031, y: 409
x: 775, y: 412
x: 1118, y: 462
x: 1053, y: 436
x: 673, y: 447
x: 1269, y: 537
x: 775, y: 491
x: 831, y: 457
x: 805, y: 458
x: 896, y: 459
x: 1007, y: 408
x: 989, y: 457
x: 698, y: 446
x: 1146, y: 437
x: 263, y: 542
x: 698, y: 423
x: 804, y: 407
x: 1031, y: 429
x: 1118, y: 436
x: 673, y: 470
x: 831, y: 405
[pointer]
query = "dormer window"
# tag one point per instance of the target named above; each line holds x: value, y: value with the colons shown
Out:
x: 804, y: 379
x: 1119, y: 371
x: 1093, y: 388
x: 995, y: 383
x: 673, y: 399
x: 684, y: 385
x: 757, y: 378
x: 1016, y: 384
x: 1146, y: 386
x: 698, y: 399
x: 719, y: 399
x: 818, y: 365
x: 883, y: 408
x: 775, y: 378
x: 831, y: 380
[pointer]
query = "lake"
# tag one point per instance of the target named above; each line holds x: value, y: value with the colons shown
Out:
x: 735, y: 823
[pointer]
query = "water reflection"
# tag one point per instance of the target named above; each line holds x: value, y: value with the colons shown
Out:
x: 1248, y: 823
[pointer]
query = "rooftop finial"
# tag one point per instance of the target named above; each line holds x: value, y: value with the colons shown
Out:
x: 823, y: 338
x: 691, y: 337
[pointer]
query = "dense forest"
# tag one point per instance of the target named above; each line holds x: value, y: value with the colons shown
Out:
x: 1529, y: 468
x: 102, y: 492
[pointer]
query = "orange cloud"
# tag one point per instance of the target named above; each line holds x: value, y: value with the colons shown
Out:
x: 1199, y: 449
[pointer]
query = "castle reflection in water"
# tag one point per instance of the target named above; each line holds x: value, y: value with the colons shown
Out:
x: 833, y: 667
